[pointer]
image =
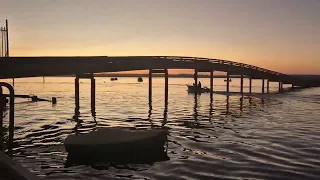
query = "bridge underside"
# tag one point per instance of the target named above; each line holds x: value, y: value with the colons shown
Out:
x: 18, y: 67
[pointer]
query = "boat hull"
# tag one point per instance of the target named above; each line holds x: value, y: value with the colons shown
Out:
x: 117, y: 145
x: 192, y: 89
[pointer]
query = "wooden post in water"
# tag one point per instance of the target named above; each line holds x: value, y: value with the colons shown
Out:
x: 76, y: 91
x: 250, y: 85
x: 268, y: 85
x: 262, y: 86
x: 241, y: 84
x: 280, y: 84
x: 150, y: 87
x: 228, y: 79
x: 211, y: 84
x: 166, y: 86
x: 93, y: 93
x: 195, y: 80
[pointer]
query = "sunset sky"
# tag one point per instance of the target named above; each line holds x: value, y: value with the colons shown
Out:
x: 281, y: 35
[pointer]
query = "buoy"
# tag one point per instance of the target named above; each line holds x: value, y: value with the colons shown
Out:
x: 54, y: 100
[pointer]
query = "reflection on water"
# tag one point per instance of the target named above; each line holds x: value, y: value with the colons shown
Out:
x: 220, y: 137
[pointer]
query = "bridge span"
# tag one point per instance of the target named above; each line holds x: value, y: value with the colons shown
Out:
x: 18, y: 67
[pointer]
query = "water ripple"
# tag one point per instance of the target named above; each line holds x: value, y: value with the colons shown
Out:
x: 262, y: 137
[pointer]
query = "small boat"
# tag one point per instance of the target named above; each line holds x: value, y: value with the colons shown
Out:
x: 114, y: 79
x: 116, y: 141
x: 227, y: 80
x: 193, y: 89
x: 140, y: 79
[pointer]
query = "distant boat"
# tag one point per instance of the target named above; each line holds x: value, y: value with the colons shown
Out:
x: 114, y: 79
x: 227, y: 80
x: 140, y: 79
x: 192, y: 89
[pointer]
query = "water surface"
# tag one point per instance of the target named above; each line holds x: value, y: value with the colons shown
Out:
x: 275, y: 136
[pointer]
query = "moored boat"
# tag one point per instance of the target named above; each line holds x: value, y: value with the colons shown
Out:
x: 193, y: 89
x: 140, y: 79
x: 116, y: 141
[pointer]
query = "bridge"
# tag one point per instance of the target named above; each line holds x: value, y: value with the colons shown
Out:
x: 19, y: 67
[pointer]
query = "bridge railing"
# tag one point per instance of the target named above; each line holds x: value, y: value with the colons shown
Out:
x: 215, y: 61
x: 219, y: 61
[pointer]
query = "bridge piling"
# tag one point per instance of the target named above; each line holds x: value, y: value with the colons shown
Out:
x: 262, y: 86
x: 268, y: 85
x: 93, y: 94
x: 166, y: 88
x: 211, y: 84
x: 150, y: 88
x: 76, y: 92
x: 280, y: 87
x: 228, y: 79
x: 250, y: 85
x: 195, y: 79
x: 241, y: 84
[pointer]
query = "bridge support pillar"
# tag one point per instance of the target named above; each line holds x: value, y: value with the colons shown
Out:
x: 228, y: 79
x: 76, y: 92
x: 93, y: 95
x: 211, y: 84
x: 250, y: 85
x: 268, y: 85
x: 262, y: 86
x: 166, y: 88
x: 241, y: 84
x: 280, y: 87
x: 150, y: 88
x: 195, y: 76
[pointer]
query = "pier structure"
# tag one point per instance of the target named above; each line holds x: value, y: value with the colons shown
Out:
x: 166, y: 85
x: 77, y: 91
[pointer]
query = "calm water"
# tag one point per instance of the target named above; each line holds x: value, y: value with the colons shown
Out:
x: 263, y: 137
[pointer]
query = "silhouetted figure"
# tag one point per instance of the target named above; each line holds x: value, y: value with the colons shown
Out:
x: 199, y: 85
